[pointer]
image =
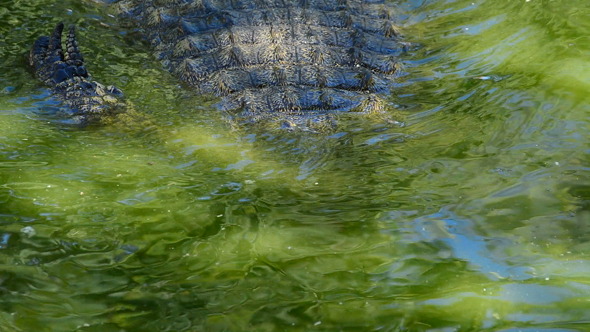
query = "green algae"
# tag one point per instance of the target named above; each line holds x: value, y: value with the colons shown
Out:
x: 473, y: 217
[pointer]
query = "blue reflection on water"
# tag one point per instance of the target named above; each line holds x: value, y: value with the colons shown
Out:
x: 465, y: 244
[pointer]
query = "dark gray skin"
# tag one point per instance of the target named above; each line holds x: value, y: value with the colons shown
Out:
x: 86, y: 100
x: 293, y: 62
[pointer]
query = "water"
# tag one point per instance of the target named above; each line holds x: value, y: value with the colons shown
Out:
x: 472, y: 217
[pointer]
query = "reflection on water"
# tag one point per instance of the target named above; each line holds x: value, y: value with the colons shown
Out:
x: 472, y: 217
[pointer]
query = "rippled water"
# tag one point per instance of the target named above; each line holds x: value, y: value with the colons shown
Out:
x: 473, y: 217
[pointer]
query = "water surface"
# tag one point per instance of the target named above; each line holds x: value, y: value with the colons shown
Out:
x: 474, y: 216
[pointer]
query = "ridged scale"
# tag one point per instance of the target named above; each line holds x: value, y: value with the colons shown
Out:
x: 63, y: 70
x: 292, y: 57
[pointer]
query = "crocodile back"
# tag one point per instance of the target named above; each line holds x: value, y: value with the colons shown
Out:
x: 295, y: 60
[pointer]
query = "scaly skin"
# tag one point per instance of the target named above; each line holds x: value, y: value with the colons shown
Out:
x: 286, y: 63
x: 87, y: 101
x: 296, y: 61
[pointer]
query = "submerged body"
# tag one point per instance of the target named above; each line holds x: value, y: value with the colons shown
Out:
x: 295, y: 63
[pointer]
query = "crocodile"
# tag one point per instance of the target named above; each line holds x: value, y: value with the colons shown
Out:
x: 296, y: 63
x: 86, y: 101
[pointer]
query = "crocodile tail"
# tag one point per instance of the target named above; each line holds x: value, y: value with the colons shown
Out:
x: 49, y: 61
x: 38, y: 54
x: 46, y: 56
x: 63, y: 70
x: 55, y: 40
x: 73, y: 56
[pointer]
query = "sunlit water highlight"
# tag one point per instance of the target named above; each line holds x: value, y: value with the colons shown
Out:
x: 473, y: 217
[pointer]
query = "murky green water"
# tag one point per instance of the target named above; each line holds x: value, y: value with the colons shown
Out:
x: 473, y: 217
